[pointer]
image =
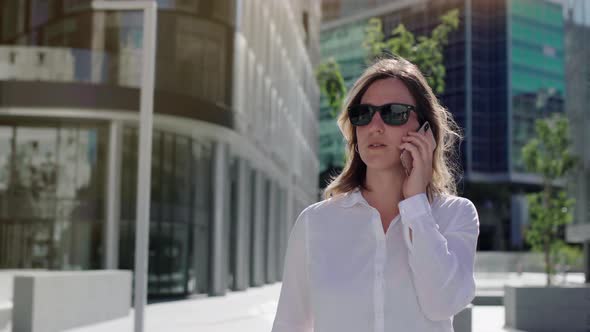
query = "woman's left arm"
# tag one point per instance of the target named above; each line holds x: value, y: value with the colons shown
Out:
x: 441, y: 262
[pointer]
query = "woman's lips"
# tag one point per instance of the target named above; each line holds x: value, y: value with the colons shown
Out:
x: 377, y: 146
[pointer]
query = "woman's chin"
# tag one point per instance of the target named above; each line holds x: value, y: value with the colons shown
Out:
x: 381, y: 165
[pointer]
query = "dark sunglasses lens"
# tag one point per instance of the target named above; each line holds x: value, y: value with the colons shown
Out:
x: 359, y: 115
x: 395, y: 114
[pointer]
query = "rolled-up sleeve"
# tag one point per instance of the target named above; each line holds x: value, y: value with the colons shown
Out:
x: 442, y: 263
x: 294, y: 308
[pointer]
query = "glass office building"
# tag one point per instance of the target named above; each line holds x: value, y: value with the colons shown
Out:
x: 343, y: 45
x: 504, y: 69
x: 537, y: 72
x: 234, y: 86
x: 577, y: 50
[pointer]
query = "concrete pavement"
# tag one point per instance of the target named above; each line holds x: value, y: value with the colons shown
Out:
x: 249, y: 311
x: 253, y: 310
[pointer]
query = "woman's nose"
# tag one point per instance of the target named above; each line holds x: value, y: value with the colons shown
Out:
x: 377, y: 122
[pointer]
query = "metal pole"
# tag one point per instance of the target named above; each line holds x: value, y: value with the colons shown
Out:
x: 144, y: 163
x: 149, y: 9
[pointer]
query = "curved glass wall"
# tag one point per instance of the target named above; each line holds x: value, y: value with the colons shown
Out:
x: 51, y: 195
x: 73, y: 44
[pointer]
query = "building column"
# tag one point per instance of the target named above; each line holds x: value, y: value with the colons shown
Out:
x: 257, y: 277
x: 242, y: 247
x: 271, y: 248
x: 280, y: 228
x: 218, y: 246
x: 281, y: 233
x: 112, y: 195
x: 287, y: 223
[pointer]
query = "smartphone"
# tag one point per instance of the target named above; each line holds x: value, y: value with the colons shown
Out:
x: 406, y: 156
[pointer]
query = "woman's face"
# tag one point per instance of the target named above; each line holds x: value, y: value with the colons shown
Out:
x: 385, y: 91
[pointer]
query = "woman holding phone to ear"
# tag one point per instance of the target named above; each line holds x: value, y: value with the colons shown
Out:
x: 390, y: 248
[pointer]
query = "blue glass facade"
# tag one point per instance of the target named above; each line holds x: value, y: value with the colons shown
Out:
x: 489, y: 108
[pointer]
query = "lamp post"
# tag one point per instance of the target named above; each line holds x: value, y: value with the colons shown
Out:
x: 149, y: 10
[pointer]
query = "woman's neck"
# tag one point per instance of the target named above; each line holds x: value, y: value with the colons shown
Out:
x: 385, y: 188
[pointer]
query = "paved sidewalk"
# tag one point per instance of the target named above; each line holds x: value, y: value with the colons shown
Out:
x: 249, y: 311
x: 253, y: 310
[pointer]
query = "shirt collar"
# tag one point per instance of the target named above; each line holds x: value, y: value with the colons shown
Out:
x: 353, y: 197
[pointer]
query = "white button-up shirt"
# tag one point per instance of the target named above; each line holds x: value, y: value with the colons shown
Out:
x: 344, y: 273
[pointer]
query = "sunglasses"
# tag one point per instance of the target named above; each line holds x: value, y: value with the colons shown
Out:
x: 393, y: 114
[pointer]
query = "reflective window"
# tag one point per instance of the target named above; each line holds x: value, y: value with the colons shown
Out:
x: 180, y: 222
x: 180, y: 212
x: 202, y: 156
x: 12, y: 14
x: 51, y: 189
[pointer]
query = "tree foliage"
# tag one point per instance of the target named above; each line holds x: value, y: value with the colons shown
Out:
x: 548, y: 154
x: 331, y: 84
x: 426, y: 52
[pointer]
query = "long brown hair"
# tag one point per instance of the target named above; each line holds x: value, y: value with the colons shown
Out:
x: 446, y: 132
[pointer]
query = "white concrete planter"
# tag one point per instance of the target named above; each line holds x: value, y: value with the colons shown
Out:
x: 547, y: 309
x: 59, y: 300
x: 6, y: 281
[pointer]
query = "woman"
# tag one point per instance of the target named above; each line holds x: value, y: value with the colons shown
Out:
x: 387, y: 250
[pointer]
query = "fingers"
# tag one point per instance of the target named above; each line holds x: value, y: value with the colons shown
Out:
x: 422, y: 145
x: 422, y: 137
x: 413, y: 151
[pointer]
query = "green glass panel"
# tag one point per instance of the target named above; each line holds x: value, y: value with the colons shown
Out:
x: 533, y: 82
x: 543, y: 63
x: 539, y: 11
x: 537, y: 34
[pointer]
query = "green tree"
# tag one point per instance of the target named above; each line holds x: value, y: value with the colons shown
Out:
x: 548, y: 154
x: 331, y: 84
x: 570, y: 257
x: 426, y: 52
